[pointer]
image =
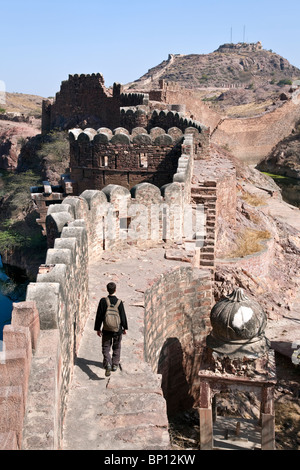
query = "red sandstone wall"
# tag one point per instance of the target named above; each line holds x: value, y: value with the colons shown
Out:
x: 177, y: 309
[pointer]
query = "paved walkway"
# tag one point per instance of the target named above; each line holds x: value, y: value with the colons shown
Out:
x: 127, y: 410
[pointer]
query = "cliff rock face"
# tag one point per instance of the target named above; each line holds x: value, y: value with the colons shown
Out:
x: 284, y: 159
x: 12, y: 137
x: 20, y: 120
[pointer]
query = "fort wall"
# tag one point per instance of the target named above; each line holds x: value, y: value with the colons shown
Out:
x: 103, y: 157
x: 171, y: 92
x: 249, y: 139
x: 83, y: 101
x: 82, y: 98
x: 61, y: 296
x: 252, y: 139
x: 115, y: 216
x: 46, y: 329
x: 20, y: 340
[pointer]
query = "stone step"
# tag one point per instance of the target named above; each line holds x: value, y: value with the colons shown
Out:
x: 205, y: 197
x: 206, y: 263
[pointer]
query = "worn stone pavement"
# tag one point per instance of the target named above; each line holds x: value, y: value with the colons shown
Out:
x: 127, y: 410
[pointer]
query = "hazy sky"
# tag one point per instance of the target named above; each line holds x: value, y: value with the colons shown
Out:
x: 44, y: 41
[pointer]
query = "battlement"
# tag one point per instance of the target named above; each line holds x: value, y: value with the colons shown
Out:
x: 141, y: 116
x: 20, y: 340
x: 84, y: 101
x: 134, y: 99
x: 156, y: 136
x: 102, y: 157
x: 82, y: 98
x: 241, y: 46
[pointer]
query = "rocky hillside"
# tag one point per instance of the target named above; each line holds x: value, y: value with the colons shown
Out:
x: 239, y: 80
x: 230, y: 65
x: 29, y: 105
x: 284, y: 159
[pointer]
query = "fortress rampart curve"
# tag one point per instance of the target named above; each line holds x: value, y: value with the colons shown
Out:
x: 252, y: 139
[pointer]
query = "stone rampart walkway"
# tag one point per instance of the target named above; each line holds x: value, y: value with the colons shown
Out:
x: 127, y: 410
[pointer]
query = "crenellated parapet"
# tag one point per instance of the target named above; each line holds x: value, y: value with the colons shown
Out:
x: 20, y: 340
x: 104, y: 156
x: 131, y: 116
x: 174, y: 120
x: 60, y: 295
x: 134, y: 99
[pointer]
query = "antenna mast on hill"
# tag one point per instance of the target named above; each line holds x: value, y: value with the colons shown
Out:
x: 231, y: 35
x: 244, y: 33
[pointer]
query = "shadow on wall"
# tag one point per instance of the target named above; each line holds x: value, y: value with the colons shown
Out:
x: 174, y: 384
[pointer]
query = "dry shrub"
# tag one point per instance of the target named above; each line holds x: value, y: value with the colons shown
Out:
x: 249, y: 241
x: 253, y: 200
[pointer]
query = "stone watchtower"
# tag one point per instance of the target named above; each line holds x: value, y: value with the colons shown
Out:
x: 237, y: 358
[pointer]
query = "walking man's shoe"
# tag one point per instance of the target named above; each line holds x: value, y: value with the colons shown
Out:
x: 114, y: 368
x: 108, y: 371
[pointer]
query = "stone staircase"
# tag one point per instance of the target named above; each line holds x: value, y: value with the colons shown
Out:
x: 206, y: 194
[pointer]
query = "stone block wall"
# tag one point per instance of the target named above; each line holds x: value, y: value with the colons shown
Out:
x: 177, y: 309
x: 85, y: 101
x: 80, y: 228
x: 34, y: 388
x: 60, y: 293
x: 134, y: 99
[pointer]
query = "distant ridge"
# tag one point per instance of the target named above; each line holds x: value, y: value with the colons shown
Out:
x: 231, y: 65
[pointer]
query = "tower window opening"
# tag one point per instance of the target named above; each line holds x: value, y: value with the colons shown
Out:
x: 143, y: 160
x: 104, y: 160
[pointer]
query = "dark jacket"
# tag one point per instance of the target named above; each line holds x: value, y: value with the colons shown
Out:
x: 100, y: 315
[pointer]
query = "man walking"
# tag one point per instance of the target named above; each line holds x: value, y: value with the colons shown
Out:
x: 111, y: 314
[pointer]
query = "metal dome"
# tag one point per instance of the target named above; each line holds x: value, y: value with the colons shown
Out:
x: 238, y: 326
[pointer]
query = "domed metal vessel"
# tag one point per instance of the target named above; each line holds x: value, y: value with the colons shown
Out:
x: 238, y: 327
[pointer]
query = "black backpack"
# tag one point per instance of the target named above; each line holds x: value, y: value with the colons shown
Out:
x: 112, y: 317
